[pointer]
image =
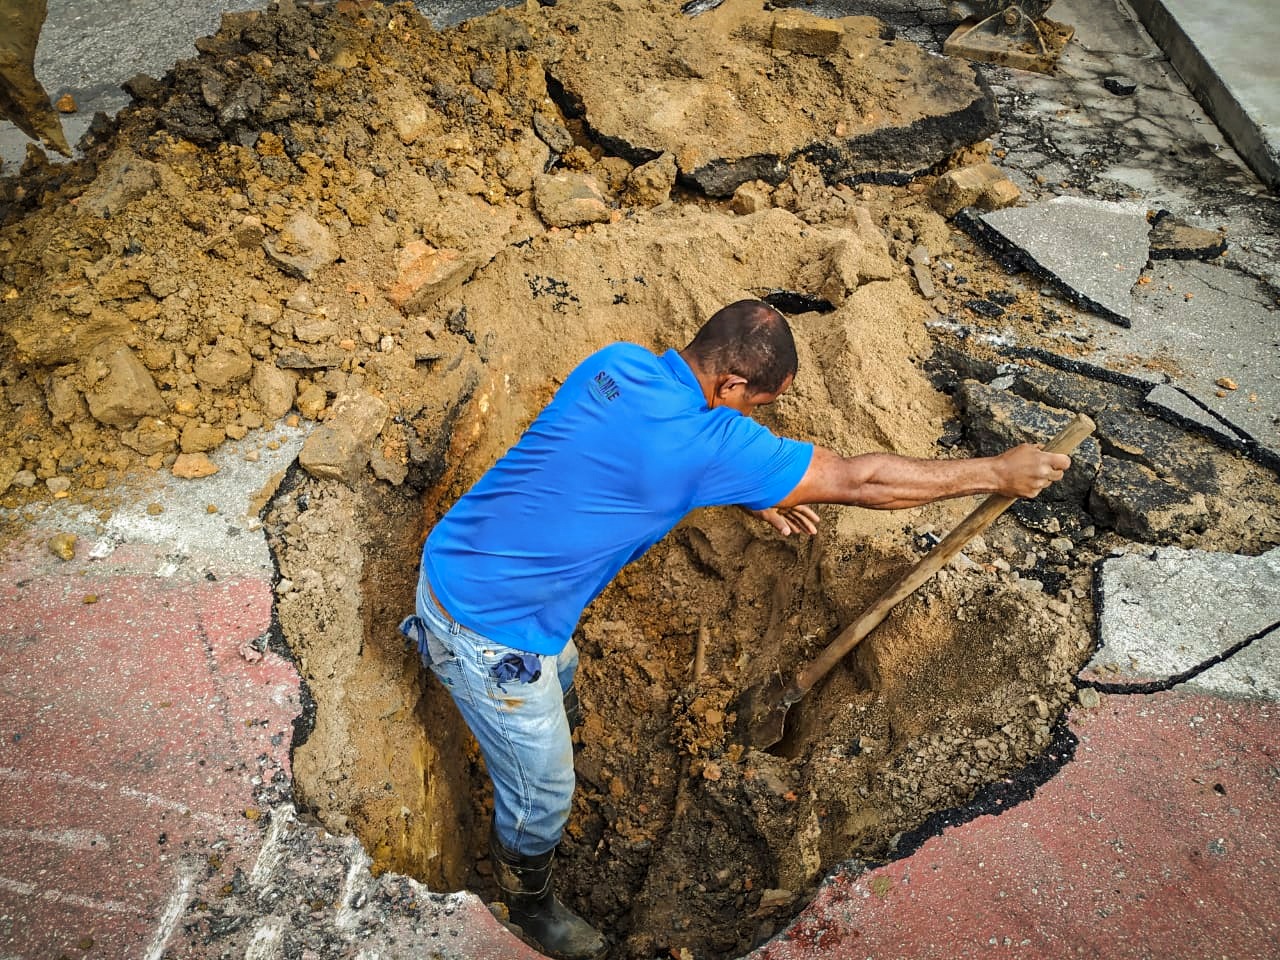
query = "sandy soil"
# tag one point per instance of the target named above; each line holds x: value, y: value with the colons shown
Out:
x: 342, y: 209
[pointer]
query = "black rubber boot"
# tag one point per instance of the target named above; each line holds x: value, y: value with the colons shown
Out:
x: 556, y: 930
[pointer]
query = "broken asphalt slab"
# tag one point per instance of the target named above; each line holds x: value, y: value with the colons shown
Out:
x: 717, y: 94
x: 1093, y: 251
x: 1208, y: 620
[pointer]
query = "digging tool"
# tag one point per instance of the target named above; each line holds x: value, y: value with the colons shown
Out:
x: 762, y: 711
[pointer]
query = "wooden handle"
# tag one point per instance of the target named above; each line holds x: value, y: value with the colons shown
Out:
x: 929, y: 564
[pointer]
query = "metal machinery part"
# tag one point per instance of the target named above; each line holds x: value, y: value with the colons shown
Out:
x: 1007, y: 32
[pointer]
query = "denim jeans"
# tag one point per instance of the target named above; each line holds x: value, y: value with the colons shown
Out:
x: 519, y: 723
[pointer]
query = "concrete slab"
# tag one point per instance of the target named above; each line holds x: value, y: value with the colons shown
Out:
x: 1163, y: 615
x: 1154, y: 841
x: 1094, y: 250
x: 1179, y: 407
x: 1225, y: 52
x: 1219, y: 327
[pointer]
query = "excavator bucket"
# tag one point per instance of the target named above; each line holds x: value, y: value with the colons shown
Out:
x: 22, y: 98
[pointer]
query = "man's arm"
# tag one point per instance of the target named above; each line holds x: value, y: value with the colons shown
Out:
x: 884, y: 481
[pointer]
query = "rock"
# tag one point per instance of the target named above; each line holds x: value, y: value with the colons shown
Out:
x: 341, y: 448
x: 199, y: 437
x: 151, y: 436
x: 291, y: 358
x: 1136, y: 503
x: 553, y: 133
x: 58, y: 485
x: 63, y: 545
x: 223, y: 366
x: 302, y: 247
x: 124, y: 391
x: 1089, y: 698
x: 122, y: 179
x: 193, y: 466
x: 924, y: 280
x: 312, y: 400
x: 1172, y: 239
x: 751, y: 197
x: 800, y: 32
x: 63, y: 400
x: 47, y: 337
x: 66, y: 104
x: 314, y: 328
x: 273, y: 388
x: 520, y: 162
x: 979, y: 185
x: 569, y: 199
x: 996, y: 420
x: 425, y: 273
x: 389, y: 468
x: 650, y: 184
x: 1120, y: 86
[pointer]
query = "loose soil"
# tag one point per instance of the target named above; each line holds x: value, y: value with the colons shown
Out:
x: 163, y: 294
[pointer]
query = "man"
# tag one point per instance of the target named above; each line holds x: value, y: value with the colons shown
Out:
x: 629, y: 444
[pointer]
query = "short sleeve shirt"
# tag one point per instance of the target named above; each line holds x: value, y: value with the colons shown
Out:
x: 625, y: 449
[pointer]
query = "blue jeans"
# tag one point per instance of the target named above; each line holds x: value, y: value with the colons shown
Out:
x: 514, y: 704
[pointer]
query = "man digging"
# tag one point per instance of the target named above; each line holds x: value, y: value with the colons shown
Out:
x: 629, y: 444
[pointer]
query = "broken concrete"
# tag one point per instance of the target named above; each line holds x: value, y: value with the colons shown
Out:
x: 1094, y: 251
x: 1167, y: 614
x: 1138, y: 503
x: 996, y: 420
x: 727, y: 116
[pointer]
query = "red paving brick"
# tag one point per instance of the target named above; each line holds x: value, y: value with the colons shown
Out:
x: 1161, y: 839
x: 131, y: 728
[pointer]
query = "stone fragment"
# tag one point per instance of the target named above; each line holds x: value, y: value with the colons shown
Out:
x: 198, y: 437
x: 1171, y: 239
x: 273, y: 388
x: 979, y: 185
x: 312, y: 400
x: 799, y: 32
x: 314, y: 328
x: 291, y: 358
x: 223, y: 366
x: 66, y: 104
x: 341, y: 448
x: 151, y: 436
x: 122, y: 179
x: 193, y: 466
x: 1120, y: 86
x: 650, y: 184
x: 751, y: 197
x: 569, y: 200
x: 552, y: 132
x: 412, y: 120
x: 425, y: 273
x: 57, y: 485
x: 63, y: 399
x: 1135, y: 502
x: 924, y: 280
x: 249, y: 232
x: 302, y: 247
x: 47, y: 337
x: 996, y: 420
x: 63, y: 546
x: 124, y: 392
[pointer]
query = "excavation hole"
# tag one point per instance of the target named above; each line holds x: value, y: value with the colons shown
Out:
x: 679, y: 837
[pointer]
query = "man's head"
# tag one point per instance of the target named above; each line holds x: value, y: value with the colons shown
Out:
x: 744, y: 355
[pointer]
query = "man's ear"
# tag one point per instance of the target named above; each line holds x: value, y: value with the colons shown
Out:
x: 730, y: 381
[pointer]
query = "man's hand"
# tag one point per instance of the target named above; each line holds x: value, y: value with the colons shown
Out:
x: 787, y: 519
x: 1026, y: 470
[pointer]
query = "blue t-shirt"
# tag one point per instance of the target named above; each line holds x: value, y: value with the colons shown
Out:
x: 625, y: 449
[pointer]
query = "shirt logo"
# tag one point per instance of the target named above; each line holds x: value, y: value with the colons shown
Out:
x: 604, y: 387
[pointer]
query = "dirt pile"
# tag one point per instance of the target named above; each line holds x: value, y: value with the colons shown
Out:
x: 410, y: 237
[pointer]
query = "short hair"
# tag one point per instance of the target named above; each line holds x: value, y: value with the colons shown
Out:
x: 748, y: 338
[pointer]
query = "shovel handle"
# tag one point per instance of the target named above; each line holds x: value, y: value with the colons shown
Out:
x: 929, y: 564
